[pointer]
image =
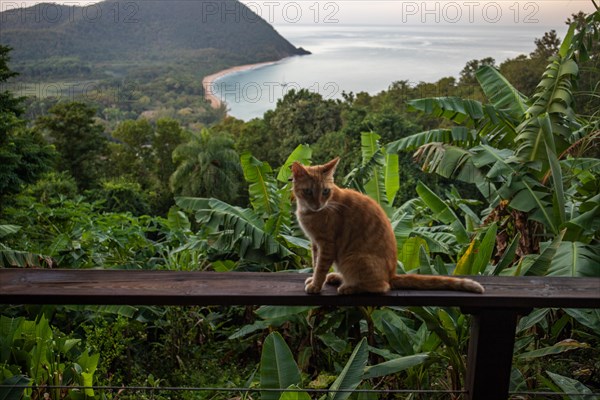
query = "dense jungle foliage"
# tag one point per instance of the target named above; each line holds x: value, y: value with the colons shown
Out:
x: 496, y: 173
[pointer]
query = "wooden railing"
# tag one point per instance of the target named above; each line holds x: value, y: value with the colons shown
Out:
x: 493, y: 323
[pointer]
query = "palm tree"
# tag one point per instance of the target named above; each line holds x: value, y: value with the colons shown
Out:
x: 207, y: 166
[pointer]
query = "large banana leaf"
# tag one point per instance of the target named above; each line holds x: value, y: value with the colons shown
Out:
x: 394, y: 366
x: 278, y: 369
x: 430, y: 316
x: 489, y: 122
x: 352, y: 374
x: 302, y: 154
x: 477, y: 256
x: 576, y: 259
x: 40, y: 352
x: 543, y: 261
x: 8, y: 393
x: 585, y: 224
x: 455, y: 109
x: 497, y: 126
x: 486, y: 249
x: 483, y: 165
x: 378, y: 174
x: 454, y: 135
x: 23, y: 259
x: 203, y: 205
x: 258, y: 174
x: 508, y: 256
x: 443, y: 212
x: 561, y: 347
x: 280, y: 222
x: 391, y: 177
x: 408, y: 254
x: 531, y: 197
x: 553, y: 94
x: 6, y: 230
x: 399, y: 336
x: 589, y: 317
x: 375, y: 186
x: 88, y: 364
x: 495, y: 161
x: 550, y: 118
x: 576, y: 389
x: 501, y: 93
x: 402, y: 222
x: 233, y: 228
x: 439, y: 239
x: 357, y: 178
x: 299, y: 395
x: 449, y: 161
x: 558, y: 192
x: 551, y: 113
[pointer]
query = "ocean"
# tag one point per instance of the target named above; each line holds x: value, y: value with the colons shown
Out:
x: 369, y: 59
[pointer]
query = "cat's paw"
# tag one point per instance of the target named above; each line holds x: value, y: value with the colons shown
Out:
x: 310, y: 287
x: 345, y: 289
x: 334, y: 278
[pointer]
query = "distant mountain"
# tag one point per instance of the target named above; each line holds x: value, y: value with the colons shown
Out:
x: 141, y: 30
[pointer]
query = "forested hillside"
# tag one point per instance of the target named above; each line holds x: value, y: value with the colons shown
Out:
x: 141, y: 31
x: 129, y: 58
x: 494, y: 173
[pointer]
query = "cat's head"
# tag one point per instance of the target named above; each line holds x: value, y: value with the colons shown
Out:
x: 313, y: 186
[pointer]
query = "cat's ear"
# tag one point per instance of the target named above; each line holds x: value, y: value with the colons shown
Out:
x: 298, y: 170
x: 329, y: 168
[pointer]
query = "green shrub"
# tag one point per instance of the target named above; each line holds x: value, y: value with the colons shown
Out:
x: 121, y: 195
x: 52, y: 185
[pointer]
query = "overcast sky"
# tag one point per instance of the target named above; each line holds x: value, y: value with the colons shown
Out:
x: 393, y: 12
x: 390, y: 12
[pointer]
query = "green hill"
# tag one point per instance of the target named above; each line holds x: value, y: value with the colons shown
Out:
x: 134, y: 58
x: 146, y: 30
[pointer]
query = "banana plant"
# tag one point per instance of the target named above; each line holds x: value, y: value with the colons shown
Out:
x: 521, y: 154
x: 15, y: 258
x: 45, y: 357
x: 377, y: 175
x: 262, y: 233
x: 278, y: 370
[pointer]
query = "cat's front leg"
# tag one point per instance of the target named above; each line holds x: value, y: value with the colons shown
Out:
x: 315, y: 254
x: 322, y: 261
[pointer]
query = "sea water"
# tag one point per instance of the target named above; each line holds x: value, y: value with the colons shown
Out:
x: 369, y: 59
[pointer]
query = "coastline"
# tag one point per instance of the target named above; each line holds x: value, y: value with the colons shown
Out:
x: 209, y: 81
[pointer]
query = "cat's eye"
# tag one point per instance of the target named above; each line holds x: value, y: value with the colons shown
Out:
x: 326, y: 192
x: 307, y: 192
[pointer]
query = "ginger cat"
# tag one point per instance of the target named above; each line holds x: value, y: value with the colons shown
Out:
x: 352, y: 232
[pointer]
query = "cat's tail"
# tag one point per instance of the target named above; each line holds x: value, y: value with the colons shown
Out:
x: 435, y: 282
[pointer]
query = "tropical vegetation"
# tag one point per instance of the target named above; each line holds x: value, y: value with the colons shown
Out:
x: 497, y: 179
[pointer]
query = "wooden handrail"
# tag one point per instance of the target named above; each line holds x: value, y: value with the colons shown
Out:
x: 141, y: 287
x: 494, y: 313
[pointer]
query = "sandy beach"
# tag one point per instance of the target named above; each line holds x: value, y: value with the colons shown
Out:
x: 209, y: 81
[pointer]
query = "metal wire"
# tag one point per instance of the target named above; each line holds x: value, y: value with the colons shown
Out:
x: 234, y: 389
x: 308, y: 390
x: 591, y: 395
